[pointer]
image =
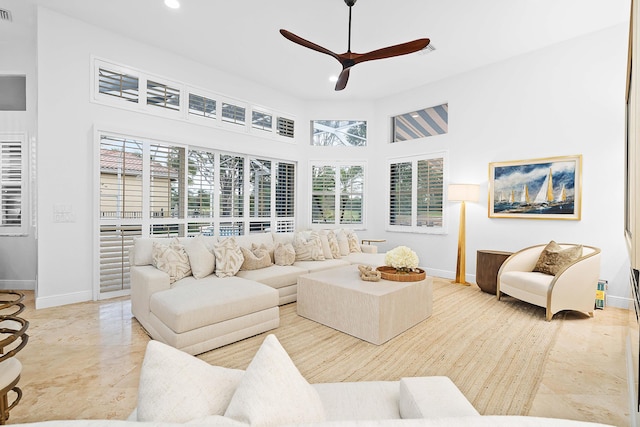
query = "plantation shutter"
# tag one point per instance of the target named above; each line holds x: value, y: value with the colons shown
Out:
x: 323, y: 194
x: 285, y: 197
x: 231, y: 186
x: 430, y: 192
x: 118, y: 85
x: 200, y: 187
x: 400, y: 197
x: 12, y: 174
x: 166, y: 181
x: 351, y: 194
x: 115, y: 243
x: 161, y: 95
x: 202, y: 106
x: 285, y: 127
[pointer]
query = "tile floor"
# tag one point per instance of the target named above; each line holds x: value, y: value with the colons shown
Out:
x: 83, y: 360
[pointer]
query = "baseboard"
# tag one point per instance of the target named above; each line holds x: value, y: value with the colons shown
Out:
x: 20, y: 285
x: 619, y: 302
x: 58, y: 300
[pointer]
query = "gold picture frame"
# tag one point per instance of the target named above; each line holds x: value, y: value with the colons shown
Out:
x: 546, y: 188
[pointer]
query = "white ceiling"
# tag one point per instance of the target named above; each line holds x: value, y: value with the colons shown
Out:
x: 242, y: 38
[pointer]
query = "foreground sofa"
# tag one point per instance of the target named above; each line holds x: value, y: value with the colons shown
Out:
x: 202, y: 311
x: 177, y: 389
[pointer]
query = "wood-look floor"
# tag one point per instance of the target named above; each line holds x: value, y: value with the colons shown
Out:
x: 83, y: 361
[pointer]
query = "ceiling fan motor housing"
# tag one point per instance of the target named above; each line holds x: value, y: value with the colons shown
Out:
x: 350, y: 2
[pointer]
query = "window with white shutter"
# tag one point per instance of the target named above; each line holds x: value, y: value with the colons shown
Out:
x: 285, y: 196
x: 13, y: 175
x: 231, y: 186
x: 285, y: 127
x: 233, y: 113
x: 416, y: 188
x: 202, y: 106
x: 337, y: 194
x: 261, y: 120
x: 166, y: 181
x: 162, y: 95
x: 118, y: 84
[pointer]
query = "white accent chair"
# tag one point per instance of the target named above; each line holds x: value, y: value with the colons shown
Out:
x: 572, y: 288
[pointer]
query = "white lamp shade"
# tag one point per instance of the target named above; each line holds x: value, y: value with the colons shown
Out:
x: 463, y: 192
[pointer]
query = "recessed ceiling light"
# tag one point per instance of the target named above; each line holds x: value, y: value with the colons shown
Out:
x: 173, y: 4
x: 333, y: 79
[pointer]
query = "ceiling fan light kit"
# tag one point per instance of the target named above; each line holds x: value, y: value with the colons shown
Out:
x: 349, y: 59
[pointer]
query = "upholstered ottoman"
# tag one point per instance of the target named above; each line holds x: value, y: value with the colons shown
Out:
x: 204, y: 314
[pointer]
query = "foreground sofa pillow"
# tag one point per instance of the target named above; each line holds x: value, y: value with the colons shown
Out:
x: 177, y: 387
x: 272, y: 391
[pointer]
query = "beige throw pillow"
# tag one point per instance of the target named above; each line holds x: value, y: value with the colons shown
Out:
x: 324, y: 241
x: 172, y: 259
x: 201, y: 259
x: 553, y: 258
x: 333, y: 244
x: 343, y: 242
x: 272, y: 391
x: 284, y: 254
x: 268, y: 248
x: 353, y: 241
x: 228, y: 257
x: 176, y: 387
x: 308, y: 246
x: 255, y: 259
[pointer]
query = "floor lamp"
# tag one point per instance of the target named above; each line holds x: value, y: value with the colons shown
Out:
x: 462, y: 193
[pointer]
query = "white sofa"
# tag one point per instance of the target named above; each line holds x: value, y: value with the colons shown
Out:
x: 198, y: 315
x: 176, y: 389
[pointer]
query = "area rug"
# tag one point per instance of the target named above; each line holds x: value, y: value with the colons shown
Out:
x: 494, y: 351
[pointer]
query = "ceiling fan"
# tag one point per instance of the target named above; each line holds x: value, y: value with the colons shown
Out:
x: 349, y: 59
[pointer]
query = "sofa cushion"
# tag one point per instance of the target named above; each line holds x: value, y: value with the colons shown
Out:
x: 210, y: 300
x: 432, y: 397
x: 272, y: 391
x: 255, y: 259
x: 201, y: 258
x: 228, y: 257
x: 308, y: 246
x: 532, y: 282
x: 284, y: 254
x: 172, y: 259
x: 177, y: 387
x: 554, y: 258
x: 312, y: 266
x: 276, y: 276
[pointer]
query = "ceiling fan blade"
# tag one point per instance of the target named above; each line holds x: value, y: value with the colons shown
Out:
x: 343, y: 79
x: 306, y: 43
x: 396, y: 50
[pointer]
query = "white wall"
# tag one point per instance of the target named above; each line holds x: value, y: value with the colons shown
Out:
x: 564, y: 100
x: 18, y: 56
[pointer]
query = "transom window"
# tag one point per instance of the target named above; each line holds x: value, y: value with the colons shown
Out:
x: 345, y: 133
x: 421, y: 124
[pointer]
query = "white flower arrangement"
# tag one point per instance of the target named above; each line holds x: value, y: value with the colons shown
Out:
x: 402, y: 259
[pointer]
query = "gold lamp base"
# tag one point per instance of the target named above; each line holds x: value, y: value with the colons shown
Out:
x: 461, y: 262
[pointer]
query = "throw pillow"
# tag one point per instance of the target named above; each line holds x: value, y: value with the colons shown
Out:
x: 324, y: 241
x: 284, y: 254
x: 553, y: 258
x: 268, y: 248
x: 255, y: 259
x: 272, y: 391
x: 343, y: 242
x: 201, y: 259
x: 228, y: 257
x: 308, y: 246
x: 354, y: 242
x: 172, y: 259
x: 176, y: 387
x: 333, y: 244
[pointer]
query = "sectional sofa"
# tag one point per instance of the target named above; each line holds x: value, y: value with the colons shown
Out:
x: 200, y: 293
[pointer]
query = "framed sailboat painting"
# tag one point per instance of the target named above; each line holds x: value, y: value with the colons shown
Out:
x: 548, y: 188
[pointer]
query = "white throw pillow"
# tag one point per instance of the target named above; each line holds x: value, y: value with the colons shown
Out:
x: 172, y: 259
x: 176, y: 387
x: 326, y: 248
x: 308, y: 246
x: 201, y: 259
x: 284, y: 254
x: 272, y: 391
x: 352, y: 239
x: 343, y: 242
x: 228, y: 257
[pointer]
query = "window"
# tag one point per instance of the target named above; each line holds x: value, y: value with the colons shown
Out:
x: 233, y: 114
x: 202, y: 106
x: 161, y: 95
x: 13, y: 174
x: 262, y: 121
x: 285, y: 127
x: 345, y: 133
x: 416, y: 188
x: 420, y: 124
x: 119, y: 85
x: 158, y: 189
x: 337, y: 194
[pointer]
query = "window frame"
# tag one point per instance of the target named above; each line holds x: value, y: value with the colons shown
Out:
x: 17, y: 139
x: 414, y: 227
x: 337, y: 193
